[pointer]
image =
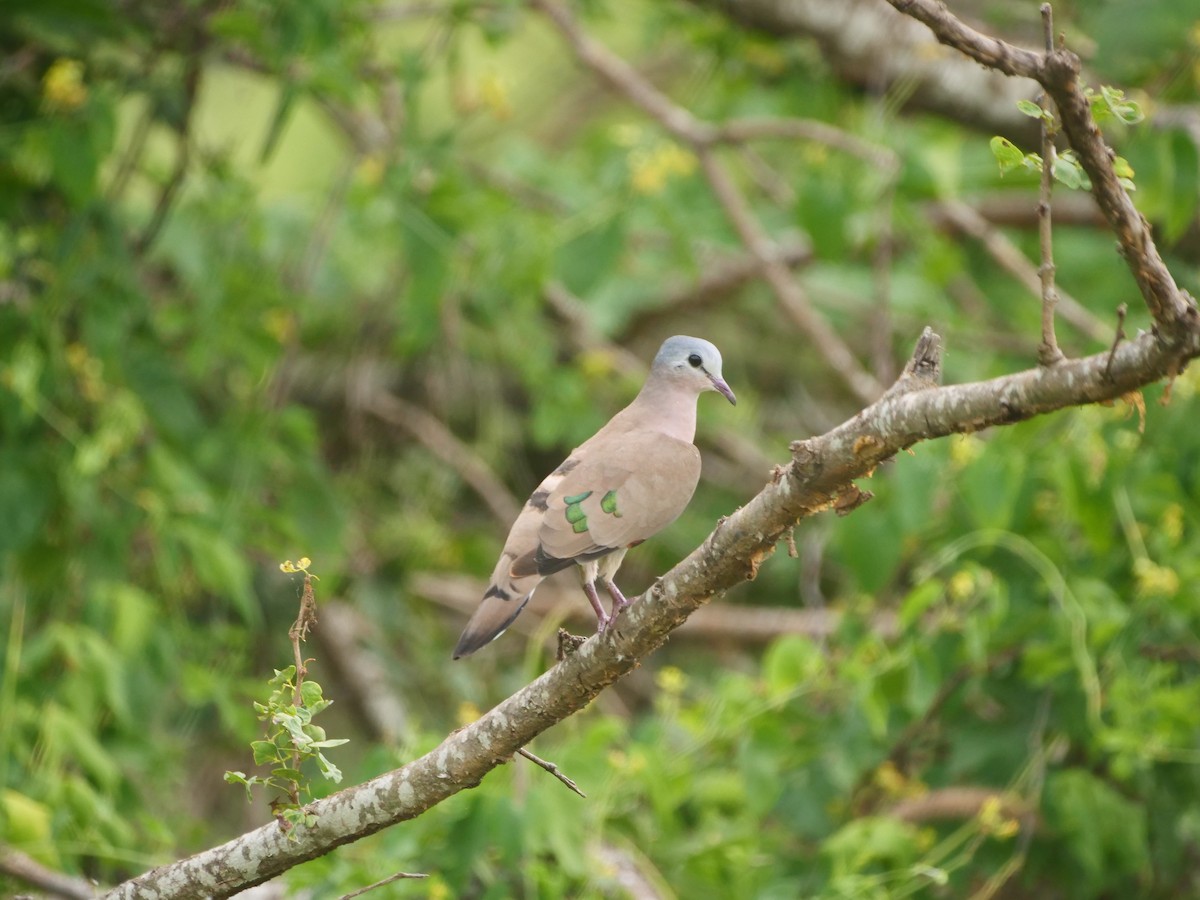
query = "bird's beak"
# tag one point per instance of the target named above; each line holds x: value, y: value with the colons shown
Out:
x: 720, y: 385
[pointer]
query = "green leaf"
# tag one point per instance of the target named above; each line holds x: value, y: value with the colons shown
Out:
x: 1033, y: 110
x: 331, y: 742
x: 919, y: 599
x: 1182, y: 158
x: 584, y: 261
x: 328, y: 769
x: 1127, y: 111
x: 1007, y: 154
x: 1069, y: 172
x: 220, y: 567
x: 1104, y: 832
x: 791, y: 662
x: 264, y: 752
x: 310, y: 694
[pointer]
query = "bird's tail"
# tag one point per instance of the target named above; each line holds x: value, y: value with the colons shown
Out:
x: 499, y: 608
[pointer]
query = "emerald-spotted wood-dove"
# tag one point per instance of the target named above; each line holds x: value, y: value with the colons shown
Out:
x: 626, y: 483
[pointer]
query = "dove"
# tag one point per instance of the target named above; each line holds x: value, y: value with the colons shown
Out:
x: 626, y: 483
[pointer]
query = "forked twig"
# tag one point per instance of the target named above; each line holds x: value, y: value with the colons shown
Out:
x: 1048, y: 352
x: 553, y: 770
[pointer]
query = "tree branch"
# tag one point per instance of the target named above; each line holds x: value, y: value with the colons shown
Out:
x: 822, y: 468
x: 25, y: 868
x: 872, y: 46
x: 1058, y: 72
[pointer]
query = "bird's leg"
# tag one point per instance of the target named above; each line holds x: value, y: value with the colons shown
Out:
x: 602, y: 617
x: 619, y: 601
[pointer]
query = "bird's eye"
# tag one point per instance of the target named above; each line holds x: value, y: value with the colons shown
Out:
x: 695, y: 360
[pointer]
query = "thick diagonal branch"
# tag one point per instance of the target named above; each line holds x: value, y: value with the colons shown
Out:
x: 822, y: 468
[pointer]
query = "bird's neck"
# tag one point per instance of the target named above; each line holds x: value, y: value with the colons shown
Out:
x: 667, y: 408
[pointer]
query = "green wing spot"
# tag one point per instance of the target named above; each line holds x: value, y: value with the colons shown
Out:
x: 575, y: 514
x: 609, y: 504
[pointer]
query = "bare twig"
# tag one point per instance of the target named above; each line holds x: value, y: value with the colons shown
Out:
x: 131, y: 156
x: 553, y: 770
x: 378, y: 884
x: 1048, y: 352
x: 443, y: 443
x: 759, y: 128
x: 1122, y: 310
x: 183, y: 155
x: 792, y: 297
x: 1009, y: 257
x: 313, y: 252
x: 714, y: 286
x: 25, y: 868
x: 298, y: 633
x: 957, y: 803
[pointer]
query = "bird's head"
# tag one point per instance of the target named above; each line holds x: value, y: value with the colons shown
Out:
x: 694, y: 362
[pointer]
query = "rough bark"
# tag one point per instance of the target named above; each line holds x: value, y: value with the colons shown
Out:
x: 822, y: 472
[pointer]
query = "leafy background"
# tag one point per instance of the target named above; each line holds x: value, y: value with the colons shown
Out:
x: 233, y: 235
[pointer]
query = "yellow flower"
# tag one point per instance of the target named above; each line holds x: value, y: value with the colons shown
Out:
x: 1155, y: 580
x: 468, y: 712
x: 650, y: 169
x: 371, y: 170
x: 1172, y: 523
x: 964, y: 450
x: 493, y: 91
x: 89, y: 371
x: 279, y: 323
x: 993, y: 821
x: 671, y: 680
x: 961, y: 586
x: 891, y: 780
x: 62, y: 85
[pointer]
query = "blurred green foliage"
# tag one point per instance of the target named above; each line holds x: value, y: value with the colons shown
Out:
x: 227, y: 229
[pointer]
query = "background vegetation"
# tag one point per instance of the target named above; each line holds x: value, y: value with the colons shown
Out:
x: 343, y: 278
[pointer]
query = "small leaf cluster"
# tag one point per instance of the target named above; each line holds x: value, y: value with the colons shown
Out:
x: 292, y: 740
x: 1106, y: 104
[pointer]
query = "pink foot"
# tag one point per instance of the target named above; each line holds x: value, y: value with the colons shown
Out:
x: 619, y: 601
x: 602, y: 617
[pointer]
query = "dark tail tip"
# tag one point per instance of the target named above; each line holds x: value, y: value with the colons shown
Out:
x: 489, y: 622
